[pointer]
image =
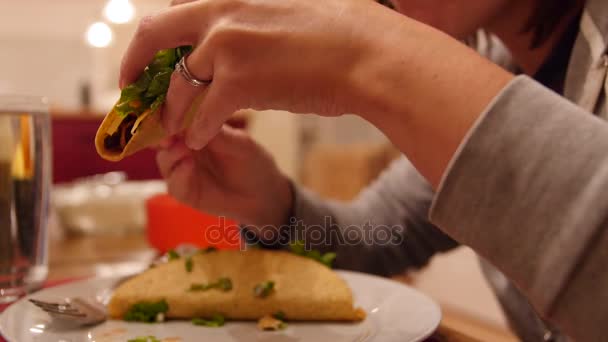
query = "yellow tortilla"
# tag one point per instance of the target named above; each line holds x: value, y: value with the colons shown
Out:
x: 305, y: 290
x: 149, y: 133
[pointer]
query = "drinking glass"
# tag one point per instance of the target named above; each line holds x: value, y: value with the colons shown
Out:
x: 25, y: 178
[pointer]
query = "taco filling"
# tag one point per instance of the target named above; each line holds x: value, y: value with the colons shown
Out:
x: 141, y: 98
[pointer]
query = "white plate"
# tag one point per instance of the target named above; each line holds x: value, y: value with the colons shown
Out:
x: 395, y: 313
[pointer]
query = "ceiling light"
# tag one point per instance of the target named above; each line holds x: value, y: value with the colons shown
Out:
x: 99, y: 35
x: 119, y: 11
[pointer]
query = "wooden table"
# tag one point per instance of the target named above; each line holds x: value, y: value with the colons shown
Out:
x: 81, y: 257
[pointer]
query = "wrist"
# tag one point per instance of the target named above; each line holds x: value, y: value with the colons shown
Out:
x: 425, y: 90
x: 273, y: 207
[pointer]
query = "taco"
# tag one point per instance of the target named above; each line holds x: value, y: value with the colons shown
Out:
x: 239, y: 286
x: 133, y: 123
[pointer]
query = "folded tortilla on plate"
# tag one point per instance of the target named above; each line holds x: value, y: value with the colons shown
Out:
x: 134, y: 123
x: 303, y: 289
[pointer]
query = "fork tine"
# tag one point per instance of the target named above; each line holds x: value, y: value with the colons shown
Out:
x: 74, y: 309
x: 41, y: 302
x: 62, y: 307
x: 64, y: 313
x: 59, y: 309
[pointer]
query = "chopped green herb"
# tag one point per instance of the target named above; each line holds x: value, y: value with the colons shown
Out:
x: 173, y: 255
x: 199, y: 287
x: 189, y: 264
x: 147, y: 312
x: 254, y: 245
x: 208, y: 250
x: 160, y: 83
x: 157, y: 103
x: 183, y: 51
x: 328, y: 258
x: 299, y: 248
x: 216, y: 320
x: 224, y: 284
x: 144, y: 339
x: 272, y: 322
x: 280, y: 315
x: 152, y: 85
x: 263, y: 289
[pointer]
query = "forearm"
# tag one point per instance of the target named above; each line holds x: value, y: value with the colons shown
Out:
x: 384, y: 231
x: 426, y: 92
x: 526, y: 191
x: 365, y: 241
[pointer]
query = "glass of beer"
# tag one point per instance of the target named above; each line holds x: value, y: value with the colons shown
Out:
x: 25, y: 179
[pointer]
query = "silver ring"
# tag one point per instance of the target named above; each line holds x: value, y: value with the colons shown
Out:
x: 187, y: 75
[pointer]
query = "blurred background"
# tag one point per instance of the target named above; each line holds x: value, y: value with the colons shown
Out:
x: 70, y: 51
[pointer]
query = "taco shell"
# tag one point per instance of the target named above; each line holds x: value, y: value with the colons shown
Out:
x: 149, y: 133
x: 304, y: 289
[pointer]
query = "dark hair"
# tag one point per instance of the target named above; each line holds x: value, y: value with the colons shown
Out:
x: 386, y: 3
x: 546, y: 17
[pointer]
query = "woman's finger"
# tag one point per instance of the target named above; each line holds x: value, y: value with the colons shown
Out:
x: 181, y: 100
x: 178, y: 181
x: 168, y: 158
x: 214, y: 110
x: 170, y: 28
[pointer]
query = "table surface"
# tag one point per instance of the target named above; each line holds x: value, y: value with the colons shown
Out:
x: 81, y: 257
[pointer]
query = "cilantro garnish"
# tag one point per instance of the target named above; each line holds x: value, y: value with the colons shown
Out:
x: 152, y: 85
x: 173, y: 255
x: 280, y: 315
x: 299, y: 248
x: 189, y: 264
x: 264, y: 289
x: 224, y: 284
x: 207, y: 250
x: 216, y: 320
x: 144, y: 339
x: 147, y: 312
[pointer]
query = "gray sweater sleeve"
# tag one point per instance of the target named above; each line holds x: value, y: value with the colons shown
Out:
x: 384, y: 231
x: 528, y: 191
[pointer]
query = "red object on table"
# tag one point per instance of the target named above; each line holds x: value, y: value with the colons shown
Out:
x: 171, y: 223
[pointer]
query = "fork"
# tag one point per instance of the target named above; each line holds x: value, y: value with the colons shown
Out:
x: 83, y: 312
x: 73, y: 310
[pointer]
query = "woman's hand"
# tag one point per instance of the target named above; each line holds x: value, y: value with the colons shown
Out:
x: 421, y: 87
x: 232, y: 176
x: 300, y: 56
